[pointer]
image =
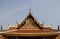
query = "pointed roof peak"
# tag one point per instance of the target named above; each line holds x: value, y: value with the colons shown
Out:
x: 29, y: 16
x: 29, y: 11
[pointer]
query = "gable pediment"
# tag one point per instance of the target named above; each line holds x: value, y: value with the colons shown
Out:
x: 30, y: 23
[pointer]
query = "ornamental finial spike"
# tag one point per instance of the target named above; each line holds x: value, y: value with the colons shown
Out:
x: 29, y: 10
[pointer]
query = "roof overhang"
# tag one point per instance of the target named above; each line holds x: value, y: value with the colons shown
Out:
x: 31, y: 34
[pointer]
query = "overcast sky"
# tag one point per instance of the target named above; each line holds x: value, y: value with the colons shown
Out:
x: 43, y: 10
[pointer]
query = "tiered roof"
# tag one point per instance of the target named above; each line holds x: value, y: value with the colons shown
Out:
x: 30, y: 27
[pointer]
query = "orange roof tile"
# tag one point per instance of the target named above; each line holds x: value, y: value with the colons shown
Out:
x: 28, y: 31
x: 18, y: 32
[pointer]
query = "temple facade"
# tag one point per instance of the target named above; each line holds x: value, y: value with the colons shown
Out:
x: 30, y: 28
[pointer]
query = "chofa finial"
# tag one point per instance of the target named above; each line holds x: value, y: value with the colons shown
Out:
x: 29, y: 10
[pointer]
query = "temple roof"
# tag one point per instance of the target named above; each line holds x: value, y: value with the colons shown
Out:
x: 30, y: 27
x: 31, y: 18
